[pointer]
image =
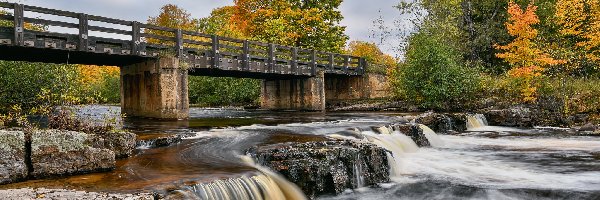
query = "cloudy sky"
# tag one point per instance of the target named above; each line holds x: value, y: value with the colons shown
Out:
x: 359, y: 14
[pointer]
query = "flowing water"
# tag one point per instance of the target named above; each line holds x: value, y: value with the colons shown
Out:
x: 484, y: 162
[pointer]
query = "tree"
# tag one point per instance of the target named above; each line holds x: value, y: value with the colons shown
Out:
x: 523, y: 55
x: 432, y: 75
x: 307, y: 24
x: 379, y: 62
x: 579, y: 22
x: 209, y: 91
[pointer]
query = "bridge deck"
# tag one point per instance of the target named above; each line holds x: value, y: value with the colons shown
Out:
x: 205, y: 55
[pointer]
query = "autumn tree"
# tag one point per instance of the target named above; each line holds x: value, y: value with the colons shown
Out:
x: 379, y: 62
x: 523, y: 55
x: 579, y: 22
x: 171, y: 16
x: 307, y: 24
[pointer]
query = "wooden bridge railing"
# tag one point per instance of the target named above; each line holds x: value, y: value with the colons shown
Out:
x: 199, y: 49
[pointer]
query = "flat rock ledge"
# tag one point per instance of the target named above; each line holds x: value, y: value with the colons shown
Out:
x: 58, y: 153
x: 326, y: 167
x: 12, y: 157
x: 122, y: 143
x: 60, y: 194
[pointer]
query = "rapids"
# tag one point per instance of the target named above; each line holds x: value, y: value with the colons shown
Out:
x: 485, y: 162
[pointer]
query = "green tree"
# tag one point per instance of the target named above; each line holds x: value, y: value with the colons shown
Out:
x: 432, y: 75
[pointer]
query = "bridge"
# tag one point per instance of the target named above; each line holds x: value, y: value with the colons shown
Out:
x: 156, y: 61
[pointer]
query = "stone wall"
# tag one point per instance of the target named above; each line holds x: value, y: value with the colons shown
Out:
x: 369, y: 86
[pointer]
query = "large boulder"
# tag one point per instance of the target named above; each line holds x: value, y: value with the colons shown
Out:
x: 513, y: 117
x: 122, y: 143
x: 414, y: 132
x: 326, y: 167
x: 442, y: 123
x: 12, y: 156
x: 57, y: 153
x: 42, y: 193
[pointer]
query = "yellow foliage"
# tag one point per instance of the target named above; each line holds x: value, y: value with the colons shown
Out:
x: 91, y: 74
x: 581, y: 19
x: 379, y: 62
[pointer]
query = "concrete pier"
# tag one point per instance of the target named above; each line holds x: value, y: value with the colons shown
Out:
x: 156, y: 88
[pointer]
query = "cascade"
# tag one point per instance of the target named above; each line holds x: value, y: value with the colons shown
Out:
x: 433, y: 138
x: 476, y: 121
x: 265, y: 186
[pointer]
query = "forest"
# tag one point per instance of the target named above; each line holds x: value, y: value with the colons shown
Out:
x: 457, y: 55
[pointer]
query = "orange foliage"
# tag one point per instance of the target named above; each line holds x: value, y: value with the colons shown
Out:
x: 526, y: 59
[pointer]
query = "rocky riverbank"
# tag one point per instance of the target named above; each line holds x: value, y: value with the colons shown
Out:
x: 59, y: 194
x: 50, y: 153
x: 327, y: 167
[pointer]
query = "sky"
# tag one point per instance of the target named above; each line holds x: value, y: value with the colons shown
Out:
x: 358, y: 14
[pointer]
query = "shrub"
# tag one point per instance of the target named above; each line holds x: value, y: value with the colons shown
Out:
x: 432, y: 76
x: 216, y: 91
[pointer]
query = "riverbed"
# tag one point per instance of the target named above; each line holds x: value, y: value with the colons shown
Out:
x: 484, y: 162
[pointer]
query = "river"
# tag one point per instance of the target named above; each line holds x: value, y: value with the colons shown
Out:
x: 484, y: 162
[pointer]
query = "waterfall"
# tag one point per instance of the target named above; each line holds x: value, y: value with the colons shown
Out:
x: 431, y: 136
x: 278, y: 187
x: 476, y: 121
x: 358, y: 172
x: 267, y: 185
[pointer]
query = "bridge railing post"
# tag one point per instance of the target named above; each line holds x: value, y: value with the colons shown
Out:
x: 19, y: 23
x: 135, y: 38
x: 215, y: 51
x: 294, y: 60
x: 313, y: 62
x: 271, y: 58
x: 246, y: 56
x: 179, y: 43
x: 331, y: 62
x: 363, y: 65
x: 83, y: 32
x: 346, y: 63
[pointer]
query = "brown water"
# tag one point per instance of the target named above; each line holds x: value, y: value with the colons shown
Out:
x: 215, y: 140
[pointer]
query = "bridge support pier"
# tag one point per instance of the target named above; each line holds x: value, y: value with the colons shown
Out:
x: 306, y: 94
x: 156, y: 89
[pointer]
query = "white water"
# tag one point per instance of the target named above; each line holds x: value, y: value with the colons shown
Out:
x: 480, y: 161
x: 431, y: 136
x: 266, y: 186
x: 476, y: 121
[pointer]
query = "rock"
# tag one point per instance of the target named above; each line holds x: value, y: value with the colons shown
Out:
x: 327, y: 167
x: 122, y: 143
x: 159, y: 142
x: 12, y: 157
x: 514, y: 117
x: 459, y: 121
x: 414, y: 132
x: 42, y: 193
x: 57, y: 153
x: 441, y: 123
x: 588, y: 127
